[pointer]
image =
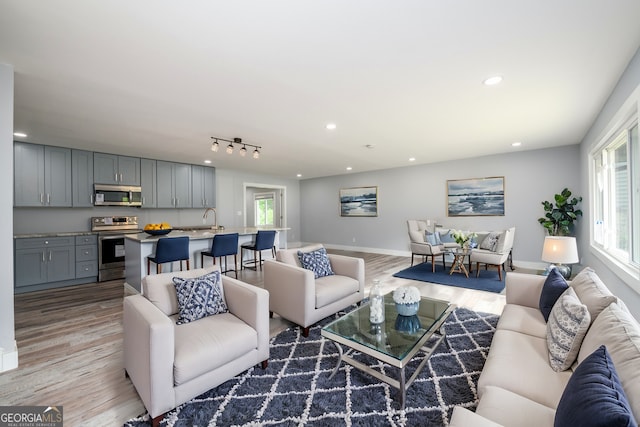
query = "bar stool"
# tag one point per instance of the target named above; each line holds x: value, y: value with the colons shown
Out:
x: 264, y: 240
x: 169, y: 249
x: 223, y: 245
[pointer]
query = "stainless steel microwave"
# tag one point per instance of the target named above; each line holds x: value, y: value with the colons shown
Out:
x: 117, y: 195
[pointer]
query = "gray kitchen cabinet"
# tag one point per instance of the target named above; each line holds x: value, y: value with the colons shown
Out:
x: 41, y: 260
x: 113, y: 169
x: 148, y: 183
x: 173, y: 184
x: 82, y: 178
x: 203, y: 184
x: 42, y: 175
x: 86, y: 256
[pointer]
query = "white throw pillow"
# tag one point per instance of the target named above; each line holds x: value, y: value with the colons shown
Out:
x: 567, y: 325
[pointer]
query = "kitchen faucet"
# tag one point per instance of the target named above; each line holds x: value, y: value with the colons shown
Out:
x: 215, y: 217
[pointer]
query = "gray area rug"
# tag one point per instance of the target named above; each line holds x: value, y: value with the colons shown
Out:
x: 295, y: 389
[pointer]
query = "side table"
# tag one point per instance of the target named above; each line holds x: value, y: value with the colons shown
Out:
x: 458, y: 262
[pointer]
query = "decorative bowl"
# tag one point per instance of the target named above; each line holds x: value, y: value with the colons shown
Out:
x: 159, y: 232
x: 408, y: 309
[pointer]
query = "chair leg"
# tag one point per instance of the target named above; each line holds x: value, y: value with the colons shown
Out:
x: 412, y: 255
x: 433, y: 263
x: 156, y: 421
x: 188, y: 267
x: 477, y: 269
x: 305, y: 332
x: 148, y: 266
x: 499, y: 272
x: 241, y: 258
x: 260, y: 259
x: 235, y: 264
x: 158, y: 268
x: 264, y: 364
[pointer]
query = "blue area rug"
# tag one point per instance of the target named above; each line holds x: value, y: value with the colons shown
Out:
x: 295, y: 389
x: 488, y: 280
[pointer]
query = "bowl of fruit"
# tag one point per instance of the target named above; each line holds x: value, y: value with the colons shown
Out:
x: 157, y: 229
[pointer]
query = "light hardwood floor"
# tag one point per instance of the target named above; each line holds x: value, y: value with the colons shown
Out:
x: 70, y: 343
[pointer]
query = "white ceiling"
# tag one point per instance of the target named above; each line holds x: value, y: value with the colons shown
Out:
x: 158, y: 78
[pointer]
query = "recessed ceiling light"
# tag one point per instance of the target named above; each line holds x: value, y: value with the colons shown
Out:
x: 207, y: 161
x: 369, y: 146
x: 299, y: 175
x: 20, y: 134
x: 349, y: 168
x: 331, y: 126
x: 516, y: 144
x: 493, y: 80
x: 412, y: 159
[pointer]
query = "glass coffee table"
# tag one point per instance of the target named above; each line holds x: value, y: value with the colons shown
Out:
x: 395, y: 342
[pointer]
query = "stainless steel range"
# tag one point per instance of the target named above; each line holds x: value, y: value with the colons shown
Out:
x: 111, y: 231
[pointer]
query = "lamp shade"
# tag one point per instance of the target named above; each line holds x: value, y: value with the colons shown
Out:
x: 560, y: 250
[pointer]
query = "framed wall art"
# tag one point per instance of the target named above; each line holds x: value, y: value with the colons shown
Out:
x: 475, y: 197
x: 359, y: 201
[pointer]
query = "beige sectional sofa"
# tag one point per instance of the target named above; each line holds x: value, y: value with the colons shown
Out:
x: 517, y: 386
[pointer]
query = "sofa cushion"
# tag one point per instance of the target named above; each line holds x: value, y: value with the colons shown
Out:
x: 594, y: 396
x: 526, y: 320
x: 290, y: 256
x: 316, y: 261
x: 445, y: 236
x: 509, y: 409
x: 199, y: 297
x: 490, y: 242
x: 210, y: 343
x: 554, y: 286
x: 161, y: 291
x: 520, y: 363
x: 333, y: 288
x: 592, y: 292
x: 433, y: 238
x: 620, y: 333
x: 566, y: 328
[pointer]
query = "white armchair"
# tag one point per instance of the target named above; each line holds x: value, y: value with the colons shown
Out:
x: 495, y: 258
x: 296, y: 295
x: 419, y: 244
x: 170, y: 364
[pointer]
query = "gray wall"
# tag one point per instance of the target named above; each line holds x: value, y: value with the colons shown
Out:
x: 8, y: 350
x: 624, y: 97
x: 420, y: 192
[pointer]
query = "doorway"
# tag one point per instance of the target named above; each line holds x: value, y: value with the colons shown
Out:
x: 264, y: 205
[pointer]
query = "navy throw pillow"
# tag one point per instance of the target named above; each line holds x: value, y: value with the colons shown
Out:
x: 553, y: 287
x: 316, y: 261
x: 594, y: 396
x: 199, y: 297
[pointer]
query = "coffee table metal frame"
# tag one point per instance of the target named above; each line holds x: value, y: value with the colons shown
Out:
x: 402, y: 384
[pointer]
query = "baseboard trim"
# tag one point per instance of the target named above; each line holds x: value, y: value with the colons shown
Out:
x: 9, y: 359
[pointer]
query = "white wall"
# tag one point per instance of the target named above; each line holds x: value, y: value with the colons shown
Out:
x: 420, y: 192
x: 624, y: 96
x: 8, y: 349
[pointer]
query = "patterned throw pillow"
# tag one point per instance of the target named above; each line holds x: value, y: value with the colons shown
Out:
x: 199, y: 297
x: 316, y: 261
x: 568, y: 323
x: 490, y: 242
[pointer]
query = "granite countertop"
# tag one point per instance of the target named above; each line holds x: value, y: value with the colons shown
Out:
x: 199, y: 233
x: 61, y: 234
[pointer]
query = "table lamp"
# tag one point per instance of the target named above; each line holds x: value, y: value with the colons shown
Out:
x: 560, y: 250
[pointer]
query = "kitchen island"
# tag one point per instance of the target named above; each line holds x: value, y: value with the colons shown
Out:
x: 139, y: 246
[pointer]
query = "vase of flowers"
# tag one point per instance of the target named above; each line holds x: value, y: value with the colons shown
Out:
x: 463, y: 239
x: 407, y: 299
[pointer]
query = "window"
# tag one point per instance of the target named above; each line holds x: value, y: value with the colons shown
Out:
x: 616, y: 196
x: 263, y: 205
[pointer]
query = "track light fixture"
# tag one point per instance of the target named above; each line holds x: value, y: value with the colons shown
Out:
x: 215, y: 146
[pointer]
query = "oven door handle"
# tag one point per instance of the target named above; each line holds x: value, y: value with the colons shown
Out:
x: 110, y: 237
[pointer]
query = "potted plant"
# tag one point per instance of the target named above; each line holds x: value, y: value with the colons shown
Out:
x: 559, y: 218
